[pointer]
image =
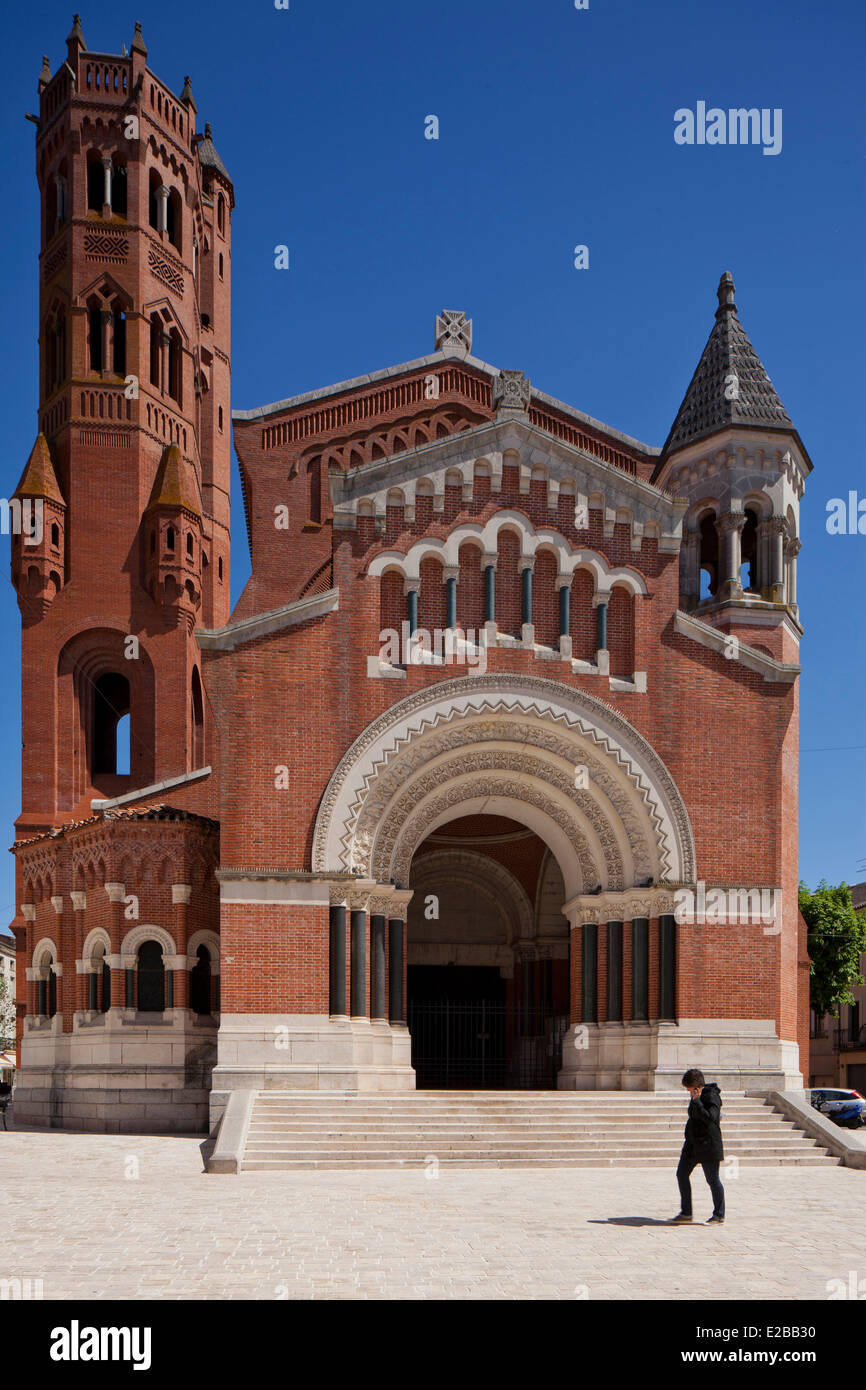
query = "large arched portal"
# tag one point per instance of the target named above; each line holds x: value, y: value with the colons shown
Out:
x: 487, y: 957
x: 609, y: 834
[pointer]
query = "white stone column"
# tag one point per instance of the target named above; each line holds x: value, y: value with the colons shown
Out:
x: 106, y: 194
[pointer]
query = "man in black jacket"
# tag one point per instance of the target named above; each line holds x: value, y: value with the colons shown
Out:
x: 703, y: 1146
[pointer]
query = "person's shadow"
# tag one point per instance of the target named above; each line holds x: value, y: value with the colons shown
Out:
x: 628, y: 1221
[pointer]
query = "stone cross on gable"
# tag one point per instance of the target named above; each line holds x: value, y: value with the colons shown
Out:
x: 512, y: 391
x: 453, y: 331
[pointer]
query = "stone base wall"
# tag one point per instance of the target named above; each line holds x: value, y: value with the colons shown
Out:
x: 740, y: 1054
x: 310, y: 1052
x: 117, y: 1073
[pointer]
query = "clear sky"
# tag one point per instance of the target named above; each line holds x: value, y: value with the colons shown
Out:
x: 556, y: 128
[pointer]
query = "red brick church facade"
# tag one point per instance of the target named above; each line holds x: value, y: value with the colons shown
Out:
x: 505, y: 687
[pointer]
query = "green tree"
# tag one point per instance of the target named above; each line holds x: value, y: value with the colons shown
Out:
x: 7, y: 1010
x: 837, y: 938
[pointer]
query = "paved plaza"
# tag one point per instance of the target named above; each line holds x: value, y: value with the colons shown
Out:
x: 97, y: 1216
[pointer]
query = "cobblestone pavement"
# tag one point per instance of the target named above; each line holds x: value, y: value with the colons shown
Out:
x: 97, y: 1216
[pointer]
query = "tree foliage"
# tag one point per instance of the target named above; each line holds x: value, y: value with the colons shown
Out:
x: 837, y: 938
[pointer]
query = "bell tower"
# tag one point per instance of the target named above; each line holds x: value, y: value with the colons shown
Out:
x: 130, y: 472
x: 734, y: 453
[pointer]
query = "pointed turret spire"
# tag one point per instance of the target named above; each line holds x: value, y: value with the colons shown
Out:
x: 209, y: 159
x: 39, y: 478
x: 730, y: 385
x: 186, y: 95
x: 138, y: 44
x: 75, y: 38
x: 175, y: 484
x: 45, y: 74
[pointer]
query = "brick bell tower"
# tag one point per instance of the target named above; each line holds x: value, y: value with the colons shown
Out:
x: 131, y: 463
x: 124, y: 552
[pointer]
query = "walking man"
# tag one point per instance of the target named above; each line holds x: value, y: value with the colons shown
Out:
x: 703, y: 1146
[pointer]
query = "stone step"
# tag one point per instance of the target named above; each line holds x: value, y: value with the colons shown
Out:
x: 380, y: 1143
x: 540, y: 1160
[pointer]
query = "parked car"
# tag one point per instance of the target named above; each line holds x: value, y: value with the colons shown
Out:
x: 841, y: 1106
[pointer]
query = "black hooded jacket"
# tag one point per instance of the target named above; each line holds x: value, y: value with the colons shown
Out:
x: 703, y: 1127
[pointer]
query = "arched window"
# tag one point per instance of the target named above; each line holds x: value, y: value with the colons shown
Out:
x: 153, y: 199
x: 708, y: 564
x: 221, y: 265
x: 95, y: 182
x: 169, y: 538
x: 174, y: 219
x: 55, y: 535
x: 119, y: 325
x: 200, y: 982
x: 110, y: 704
x: 151, y: 978
x: 118, y: 190
x: 189, y: 545
x: 220, y: 567
x: 749, y: 577
x: 155, y: 349
x: 221, y: 213
x: 197, y: 720
x: 46, y: 987
x: 94, y: 337
x: 174, y: 366
x: 220, y: 419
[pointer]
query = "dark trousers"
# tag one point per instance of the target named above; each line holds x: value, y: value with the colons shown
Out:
x: 686, y: 1165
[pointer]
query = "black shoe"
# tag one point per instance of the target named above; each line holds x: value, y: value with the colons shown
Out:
x: 716, y: 1220
x: 681, y: 1219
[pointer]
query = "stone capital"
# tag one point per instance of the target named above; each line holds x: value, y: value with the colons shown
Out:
x: 730, y: 521
x: 79, y: 901
x: 181, y: 892
x: 28, y: 912
x: 116, y: 891
x: 57, y: 903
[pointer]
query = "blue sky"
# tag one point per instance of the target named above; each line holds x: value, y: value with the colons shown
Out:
x: 556, y: 129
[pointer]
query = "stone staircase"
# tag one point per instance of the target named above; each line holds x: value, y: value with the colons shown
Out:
x: 504, y: 1129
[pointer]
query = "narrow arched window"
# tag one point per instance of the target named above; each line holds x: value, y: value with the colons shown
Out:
x: 118, y: 190
x: 221, y: 213
x: 151, y: 978
x: 200, y: 982
x: 95, y: 183
x: 55, y: 535
x: 111, y: 703
x: 105, y: 1000
x: 169, y: 538
x: 153, y: 199
x: 94, y: 337
x: 749, y: 577
x: 220, y: 419
x: 709, y: 556
x: 174, y: 366
x: 189, y: 545
x: 197, y: 720
x: 155, y: 350
x: 221, y: 265
x: 174, y: 220
x: 119, y: 326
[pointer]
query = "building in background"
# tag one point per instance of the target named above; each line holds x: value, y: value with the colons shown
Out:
x: 838, y: 1045
x: 7, y: 1008
x: 505, y: 689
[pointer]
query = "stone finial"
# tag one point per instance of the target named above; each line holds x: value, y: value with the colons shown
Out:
x: 186, y: 95
x: 511, y: 390
x: 45, y: 74
x: 453, y: 332
x: 138, y: 44
x: 725, y: 293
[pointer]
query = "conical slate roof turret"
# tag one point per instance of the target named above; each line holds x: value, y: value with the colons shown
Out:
x: 208, y: 157
x: 39, y: 478
x: 175, y: 484
x: 730, y: 385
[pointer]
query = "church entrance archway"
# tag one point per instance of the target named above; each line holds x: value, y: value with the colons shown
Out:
x: 487, y: 958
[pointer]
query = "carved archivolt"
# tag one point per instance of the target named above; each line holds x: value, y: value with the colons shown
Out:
x: 631, y: 802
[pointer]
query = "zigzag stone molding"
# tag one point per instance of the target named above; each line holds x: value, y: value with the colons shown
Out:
x: 537, y: 702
